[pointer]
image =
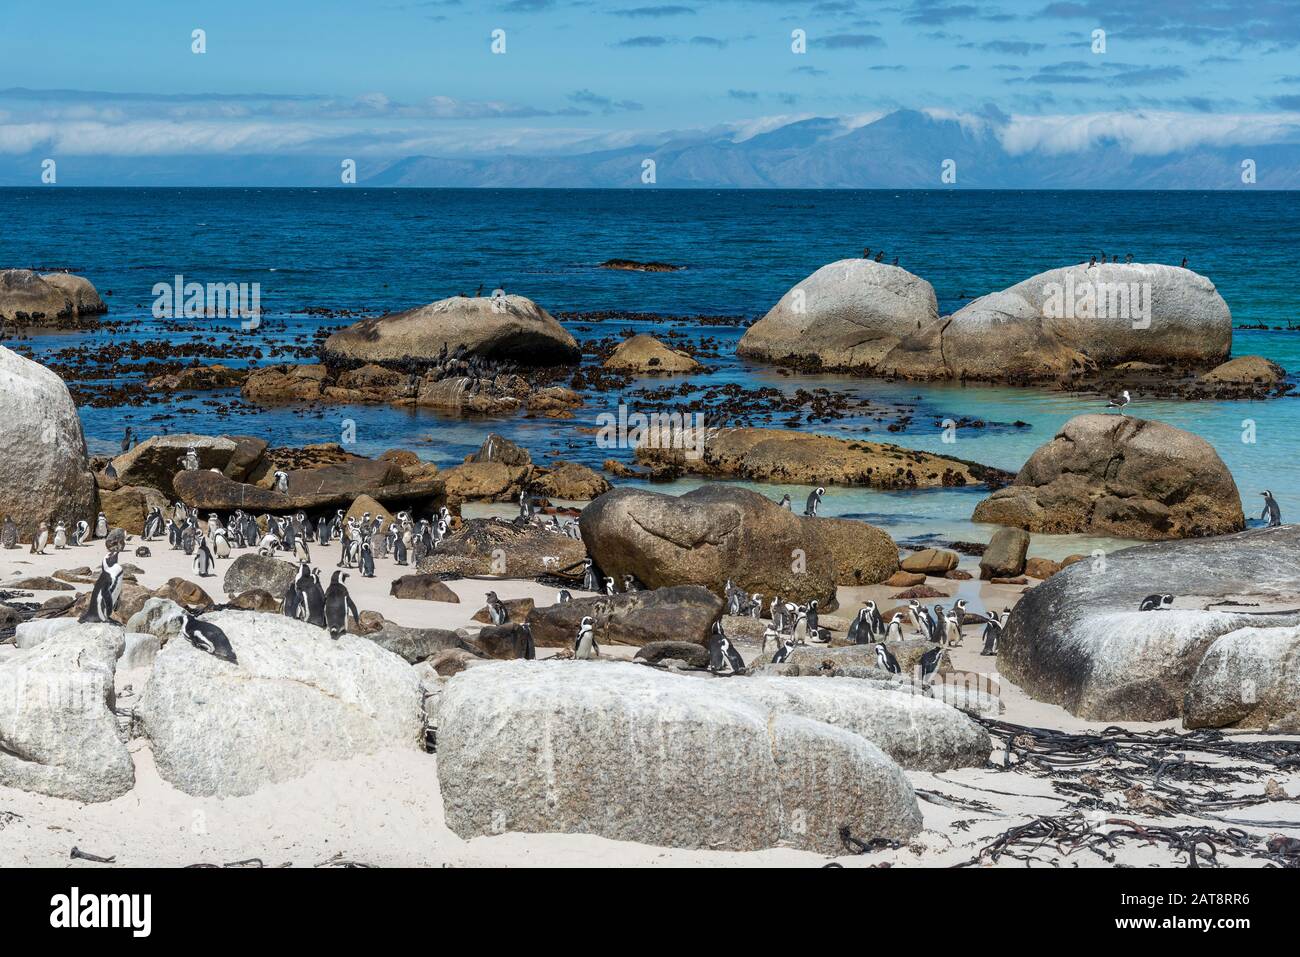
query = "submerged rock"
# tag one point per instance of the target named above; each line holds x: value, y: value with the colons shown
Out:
x: 645, y: 353
x: 1122, y: 476
x: 505, y: 328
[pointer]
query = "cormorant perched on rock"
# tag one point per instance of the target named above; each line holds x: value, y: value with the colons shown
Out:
x: 880, y: 255
x: 1092, y: 262
x: 866, y: 253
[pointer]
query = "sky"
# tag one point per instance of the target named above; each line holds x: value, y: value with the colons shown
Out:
x: 395, y: 78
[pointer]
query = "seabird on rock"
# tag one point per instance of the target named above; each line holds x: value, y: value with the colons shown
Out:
x: 1120, y: 402
x: 1272, y: 511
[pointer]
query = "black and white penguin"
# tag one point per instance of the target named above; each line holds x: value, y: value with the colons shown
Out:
x: 81, y: 533
x: 338, y: 605
x: 107, y: 590
x: 126, y: 439
x: 101, y: 526
x: 203, y: 560
x: 630, y: 584
x: 188, y: 534
x: 859, y: 632
x: 293, y: 606
x: 563, y: 598
x: 1272, y: 512
x: 280, y: 483
x: 590, y: 575
x: 60, y: 536
x: 1156, y: 602
x: 206, y: 636
x: 220, y: 544
x: 930, y: 663
x: 952, y: 627
x: 366, y: 559
x: 190, y: 460
x: 886, y: 661
x: 811, y: 615
x: 609, y: 588
x: 584, y: 645
x: 8, y: 533
x: 783, y: 652
x: 496, y: 609
x: 993, y: 626
x: 918, y: 616
x: 894, y: 630
x: 723, y: 655
x: 41, y: 540
x: 399, y: 550
x: 785, y: 503
x: 814, y: 501
x: 154, y: 525
x: 313, y: 601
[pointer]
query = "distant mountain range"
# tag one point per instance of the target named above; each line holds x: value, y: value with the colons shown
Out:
x: 905, y: 150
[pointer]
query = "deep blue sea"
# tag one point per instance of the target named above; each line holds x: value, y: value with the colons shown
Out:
x: 374, y: 251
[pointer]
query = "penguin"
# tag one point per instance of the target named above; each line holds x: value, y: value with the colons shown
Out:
x: 220, y: 545
x: 203, y: 561
x: 81, y: 533
x: 399, y: 550
x: 41, y: 540
x: 800, y: 631
x: 930, y: 663
x: 101, y: 526
x: 894, y: 630
x: 292, y: 606
x: 153, y: 525
x: 584, y: 645
x: 877, y: 623
x: 126, y: 439
x: 859, y: 632
x: 338, y: 605
x: 771, y: 643
x: 886, y: 661
x: 723, y: 655
x: 563, y: 598
x: 811, y: 615
x: 108, y: 588
x: 917, y: 616
x: 60, y: 537
x: 938, y: 623
x: 496, y: 609
x: 1156, y: 602
x: 814, y: 502
x: 9, y: 533
x: 783, y: 653
x: 993, y: 633
x: 190, y: 461
x: 280, y: 483
x: 366, y: 560
x: 313, y: 601
x: 952, y: 628
x: 1272, y: 512
x: 206, y: 636
x: 590, y: 576
x: 630, y: 584
x: 785, y: 503
x: 609, y: 588
x: 188, y: 536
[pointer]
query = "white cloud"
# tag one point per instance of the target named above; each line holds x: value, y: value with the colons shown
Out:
x: 1149, y: 133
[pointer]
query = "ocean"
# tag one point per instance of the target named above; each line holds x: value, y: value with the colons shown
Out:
x: 369, y: 251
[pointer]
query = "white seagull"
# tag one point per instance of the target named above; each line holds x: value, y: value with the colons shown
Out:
x: 1120, y: 402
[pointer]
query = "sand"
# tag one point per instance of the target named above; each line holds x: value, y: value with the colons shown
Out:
x: 385, y: 809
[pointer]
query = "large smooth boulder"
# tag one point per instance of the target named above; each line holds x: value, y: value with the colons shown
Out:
x: 54, y: 300
x: 58, y: 733
x: 802, y: 458
x: 1027, y: 332
x: 415, y: 644
x: 1249, y: 678
x: 155, y: 462
x: 128, y: 507
x: 631, y: 753
x: 1005, y: 555
x: 44, y: 473
x: 708, y: 536
x: 504, y: 550
x: 505, y: 328
x: 645, y: 353
x: 846, y: 315
x: 863, y: 554
x: 1078, y: 640
x: 330, y: 486
x: 295, y: 698
x: 1121, y: 476
x: 251, y: 571
x: 679, y: 613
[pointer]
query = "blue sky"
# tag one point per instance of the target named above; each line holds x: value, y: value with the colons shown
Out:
x: 420, y: 77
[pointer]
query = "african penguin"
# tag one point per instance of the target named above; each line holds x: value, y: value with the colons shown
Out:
x: 108, y: 587
x: 1156, y: 602
x: 886, y: 660
x: 584, y: 645
x: 206, y: 636
x: 814, y: 502
x: 338, y: 605
x: 496, y: 609
x: 203, y: 561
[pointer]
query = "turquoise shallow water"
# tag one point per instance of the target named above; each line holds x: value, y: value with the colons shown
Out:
x: 379, y: 250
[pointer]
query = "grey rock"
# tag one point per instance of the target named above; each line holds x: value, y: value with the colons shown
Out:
x: 680, y: 613
x: 140, y: 650
x: 1005, y: 555
x: 29, y: 634
x: 60, y: 736
x: 632, y: 753
x: 160, y: 617
x: 295, y: 697
x: 1078, y: 640
x: 258, y: 571
x: 1249, y: 678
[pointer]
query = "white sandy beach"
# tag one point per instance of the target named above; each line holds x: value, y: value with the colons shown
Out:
x: 385, y: 809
